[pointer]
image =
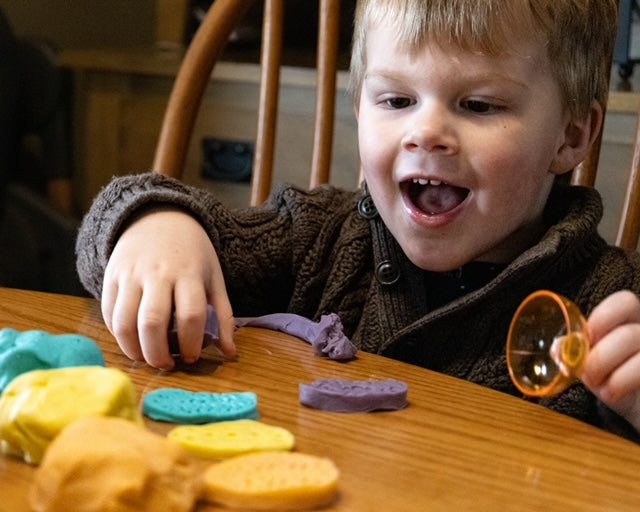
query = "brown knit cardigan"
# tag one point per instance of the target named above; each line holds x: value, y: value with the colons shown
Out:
x: 314, y: 253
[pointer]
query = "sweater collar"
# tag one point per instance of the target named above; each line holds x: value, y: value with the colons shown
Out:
x: 572, y: 215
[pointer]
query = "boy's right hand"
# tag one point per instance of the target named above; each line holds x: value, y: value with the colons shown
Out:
x: 164, y: 261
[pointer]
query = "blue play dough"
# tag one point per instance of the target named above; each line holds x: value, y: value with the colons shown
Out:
x: 22, y: 352
x: 193, y: 408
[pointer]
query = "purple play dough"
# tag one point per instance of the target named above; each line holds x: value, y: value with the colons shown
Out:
x: 325, y: 336
x: 338, y: 395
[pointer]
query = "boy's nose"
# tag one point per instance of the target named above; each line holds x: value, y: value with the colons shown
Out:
x: 431, y: 130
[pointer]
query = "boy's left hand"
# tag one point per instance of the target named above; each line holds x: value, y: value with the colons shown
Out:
x: 612, y: 370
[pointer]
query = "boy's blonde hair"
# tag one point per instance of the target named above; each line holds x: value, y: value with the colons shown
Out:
x: 579, y: 35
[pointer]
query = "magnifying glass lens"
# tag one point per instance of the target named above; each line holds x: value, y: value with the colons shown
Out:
x: 547, y: 344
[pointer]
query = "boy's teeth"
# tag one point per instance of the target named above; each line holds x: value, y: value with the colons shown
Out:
x: 422, y: 181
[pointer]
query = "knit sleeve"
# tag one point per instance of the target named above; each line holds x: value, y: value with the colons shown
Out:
x: 263, y: 251
x: 110, y: 211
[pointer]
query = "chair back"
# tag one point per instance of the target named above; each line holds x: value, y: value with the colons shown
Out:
x: 628, y: 231
x: 201, y: 56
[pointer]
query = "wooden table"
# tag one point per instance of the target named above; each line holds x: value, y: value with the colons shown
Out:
x: 457, y: 446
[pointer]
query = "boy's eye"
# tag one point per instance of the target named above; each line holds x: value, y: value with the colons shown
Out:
x: 478, y: 107
x: 399, y: 102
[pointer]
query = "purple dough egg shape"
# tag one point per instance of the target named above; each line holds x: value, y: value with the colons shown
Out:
x: 348, y: 396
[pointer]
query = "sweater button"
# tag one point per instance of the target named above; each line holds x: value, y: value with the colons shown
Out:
x: 387, y: 273
x: 367, y: 208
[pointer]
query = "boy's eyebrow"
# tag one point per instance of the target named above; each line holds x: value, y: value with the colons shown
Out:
x: 382, y: 73
x: 478, y: 79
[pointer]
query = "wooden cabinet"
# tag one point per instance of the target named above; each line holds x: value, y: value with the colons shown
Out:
x: 121, y: 95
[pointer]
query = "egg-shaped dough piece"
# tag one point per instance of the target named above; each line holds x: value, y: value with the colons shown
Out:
x: 108, y: 464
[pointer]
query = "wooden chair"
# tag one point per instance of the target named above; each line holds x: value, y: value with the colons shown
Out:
x: 206, y: 48
x: 628, y: 233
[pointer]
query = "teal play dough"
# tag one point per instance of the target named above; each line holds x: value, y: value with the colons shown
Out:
x: 193, y: 408
x: 22, y: 352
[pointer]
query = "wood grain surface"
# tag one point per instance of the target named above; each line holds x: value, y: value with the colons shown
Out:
x: 457, y: 446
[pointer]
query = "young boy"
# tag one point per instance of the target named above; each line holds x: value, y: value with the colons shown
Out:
x: 468, y: 111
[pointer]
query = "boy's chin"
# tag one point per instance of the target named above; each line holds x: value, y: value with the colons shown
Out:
x: 440, y: 268
x: 445, y: 262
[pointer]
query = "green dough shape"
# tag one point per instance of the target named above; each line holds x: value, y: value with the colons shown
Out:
x: 193, y: 408
x: 21, y: 352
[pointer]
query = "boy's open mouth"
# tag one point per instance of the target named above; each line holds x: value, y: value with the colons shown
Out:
x: 434, y: 197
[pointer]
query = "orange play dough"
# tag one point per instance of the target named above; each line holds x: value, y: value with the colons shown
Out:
x: 272, y: 481
x: 108, y: 464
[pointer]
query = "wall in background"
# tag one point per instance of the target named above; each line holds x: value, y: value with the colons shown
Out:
x: 84, y: 23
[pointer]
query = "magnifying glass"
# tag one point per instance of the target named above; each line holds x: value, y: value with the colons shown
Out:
x: 547, y: 344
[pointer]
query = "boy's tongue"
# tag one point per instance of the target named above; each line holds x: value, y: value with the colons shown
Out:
x: 438, y: 199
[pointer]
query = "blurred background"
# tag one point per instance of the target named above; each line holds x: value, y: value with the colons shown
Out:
x: 61, y: 61
x: 38, y: 219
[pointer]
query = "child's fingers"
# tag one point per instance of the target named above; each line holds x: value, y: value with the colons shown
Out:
x: 624, y: 380
x: 153, y: 324
x: 617, y: 309
x: 191, y: 317
x: 227, y: 325
x: 220, y: 302
x: 107, y: 303
x: 124, y: 321
x: 612, y: 354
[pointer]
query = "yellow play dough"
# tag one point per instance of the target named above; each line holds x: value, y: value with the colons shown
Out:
x: 107, y: 464
x: 37, y: 405
x: 272, y: 481
x: 229, y: 438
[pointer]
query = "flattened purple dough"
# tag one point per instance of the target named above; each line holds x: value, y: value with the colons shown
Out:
x: 338, y: 395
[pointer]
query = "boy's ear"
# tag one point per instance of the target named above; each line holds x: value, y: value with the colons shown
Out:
x: 578, y: 139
